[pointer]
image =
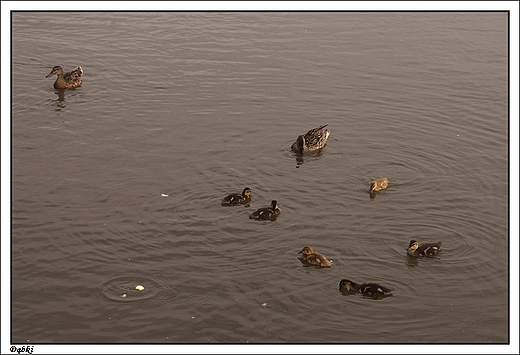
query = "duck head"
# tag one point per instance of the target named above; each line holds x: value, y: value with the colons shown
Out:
x: 413, y: 245
x: 57, y: 70
x: 306, y: 251
x: 299, y: 145
x: 345, y: 285
x: 246, y: 192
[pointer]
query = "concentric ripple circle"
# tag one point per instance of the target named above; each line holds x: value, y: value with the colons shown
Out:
x: 125, y: 289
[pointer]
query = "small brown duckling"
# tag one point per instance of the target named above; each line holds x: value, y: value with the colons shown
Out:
x: 424, y: 249
x: 314, y: 139
x: 312, y: 258
x: 266, y: 213
x: 378, y: 185
x: 237, y: 199
x: 367, y: 289
x: 69, y: 80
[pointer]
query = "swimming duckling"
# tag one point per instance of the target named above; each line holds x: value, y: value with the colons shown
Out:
x: 312, y: 258
x: 266, y: 213
x: 379, y: 184
x: 69, y: 80
x: 237, y: 199
x: 425, y: 249
x: 367, y: 289
x: 315, y: 139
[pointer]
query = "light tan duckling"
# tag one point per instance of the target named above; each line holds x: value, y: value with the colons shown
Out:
x: 367, y: 289
x: 424, y: 249
x: 313, y: 140
x: 310, y: 257
x: 378, y: 185
x: 237, y: 199
x: 267, y: 213
x: 69, y: 80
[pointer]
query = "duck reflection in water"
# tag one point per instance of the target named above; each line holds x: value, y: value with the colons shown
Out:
x: 61, y: 95
x: 300, y: 158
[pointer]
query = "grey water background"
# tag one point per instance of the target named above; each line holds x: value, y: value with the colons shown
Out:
x: 118, y: 183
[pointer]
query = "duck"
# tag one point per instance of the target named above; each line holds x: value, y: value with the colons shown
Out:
x: 378, y: 184
x: 237, y: 199
x: 310, y: 257
x: 70, y: 80
x: 367, y: 289
x: 266, y: 213
x: 424, y: 249
x: 313, y: 140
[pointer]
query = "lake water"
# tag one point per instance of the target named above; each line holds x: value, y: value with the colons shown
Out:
x: 118, y: 183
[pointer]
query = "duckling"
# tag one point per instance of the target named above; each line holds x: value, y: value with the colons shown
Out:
x: 237, y: 199
x: 266, y: 213
x: 378, y: 185
x: 315, y: 139
x: 367, y: 289
x: 312, y: 258
x: 424, y: 249
x: 69, y: 80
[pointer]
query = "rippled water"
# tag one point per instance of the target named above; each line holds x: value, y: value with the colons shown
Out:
x: 118, y: 183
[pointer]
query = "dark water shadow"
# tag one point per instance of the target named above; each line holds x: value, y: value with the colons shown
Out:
x: 375, y: 297
x: 301, y: 158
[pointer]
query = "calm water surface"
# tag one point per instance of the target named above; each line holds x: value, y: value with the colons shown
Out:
x: 118, y: 183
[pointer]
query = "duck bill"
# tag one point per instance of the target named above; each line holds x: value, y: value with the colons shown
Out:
x: 50, y: 74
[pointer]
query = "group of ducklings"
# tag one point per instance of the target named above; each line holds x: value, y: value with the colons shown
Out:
x: 313, y: 140
x: 265, y: 213
x: 374, y: 290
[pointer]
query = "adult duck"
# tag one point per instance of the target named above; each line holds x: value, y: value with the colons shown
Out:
x: 70, y: 80
x: 313, y: 140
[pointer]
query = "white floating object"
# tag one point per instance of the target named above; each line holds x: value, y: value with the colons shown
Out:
x: 264, y: 304
x: 139, y: 288
x: 123, y: 295
x: 164, y: 195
